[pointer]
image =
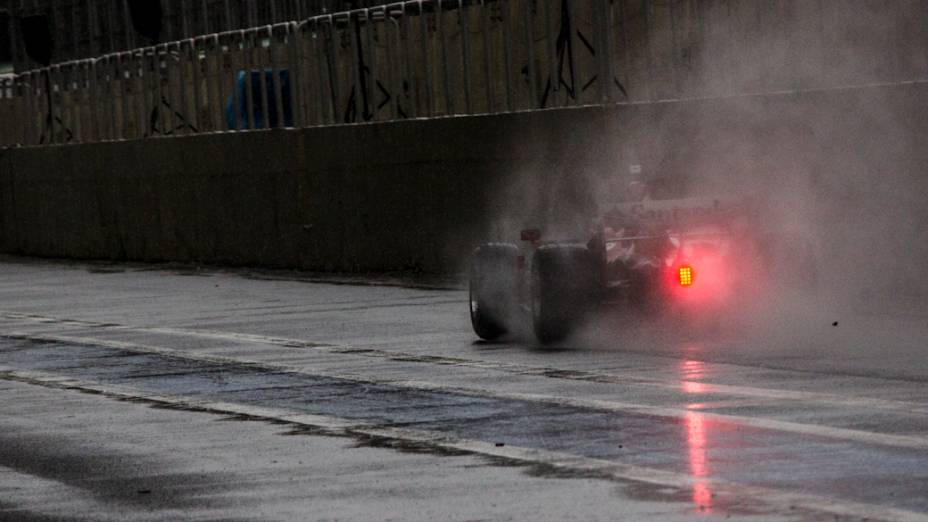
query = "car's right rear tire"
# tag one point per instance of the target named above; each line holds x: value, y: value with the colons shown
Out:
x: 563, y: 288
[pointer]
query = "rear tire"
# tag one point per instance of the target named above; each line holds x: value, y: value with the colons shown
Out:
x: 493, y: 277
x: 563, y: 288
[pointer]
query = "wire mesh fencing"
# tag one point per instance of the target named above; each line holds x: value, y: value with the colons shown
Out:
x: 412, y: 59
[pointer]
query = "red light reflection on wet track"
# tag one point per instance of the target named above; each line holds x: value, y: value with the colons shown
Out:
x: 696, y: 438
x: 693, y: 387
x: 699, y: 466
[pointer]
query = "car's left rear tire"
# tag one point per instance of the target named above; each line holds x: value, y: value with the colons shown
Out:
x: 492, y: 289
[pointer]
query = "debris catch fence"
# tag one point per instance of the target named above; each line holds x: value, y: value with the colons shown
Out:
x: 412, y: 59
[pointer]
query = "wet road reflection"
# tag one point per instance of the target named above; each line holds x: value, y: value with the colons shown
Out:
x: 691, y: 372
x: 696, y: 424
x: 694, y: 388
x: 699, y: 466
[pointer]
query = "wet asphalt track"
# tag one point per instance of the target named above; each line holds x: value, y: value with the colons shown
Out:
x: 790, y: 418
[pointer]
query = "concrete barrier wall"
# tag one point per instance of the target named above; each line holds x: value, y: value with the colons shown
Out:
x: 418, y: 195
x: 406, y: 195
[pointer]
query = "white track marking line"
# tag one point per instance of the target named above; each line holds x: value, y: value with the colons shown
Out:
x: 866, y: 437
x: 227, y: 336
x: 517, y: 369
x: 596, y: 468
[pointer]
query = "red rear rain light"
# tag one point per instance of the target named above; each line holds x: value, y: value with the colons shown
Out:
x: 685, y: 275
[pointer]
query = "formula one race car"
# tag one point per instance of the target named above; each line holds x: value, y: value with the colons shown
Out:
x: 696, y: 257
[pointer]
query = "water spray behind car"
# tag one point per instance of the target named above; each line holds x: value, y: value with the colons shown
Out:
x: 804, y: 207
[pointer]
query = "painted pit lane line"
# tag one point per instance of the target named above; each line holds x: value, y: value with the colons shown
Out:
x: 866, y: 403
x: 559, y: 461
x: 865, y: 437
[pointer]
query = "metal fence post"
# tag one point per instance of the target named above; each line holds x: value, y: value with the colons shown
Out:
x: 203, y: 71
x: 204, y: 14
x: 646, y: 8
x: 27, y: 114
x: 158, y: 91
x: 391, y: 67
x: 506, y: 22
x: 236, y: 96
x: 125, y: 77
x: 529, y: 22
x: 52, y: 101
x: 64, y: 108
x: 295, y: 57
x: 248, y: 55
x: 110, y: 97
x: 572, y: 46
x: 278, y: 88
x: 625, y: 55
x: 319, y: 53
x: 164, y: 53
x: 185, y: 30
x: 354, y: 27
x: 61, y: 108
x: 407, y: 64
x: 487, y: 62
x: 443, y: 43
x: 17, y: 134
x: 196, y: 72
x: 603, y: 27
x: 424, y: 30
x: 182, y: 78
x: 312, y: 101
x: 138, y: 87
x: 371, y: 77
x: 94, y: 100
x: 47, y: 117
x: 463, y: 26
x: 7, y: 99
x: 88, y: 123
x: 8, y: 107
x: 265, y: 106
x: 332, y: 67
x: 75, y: 101
x: 554, y: 80
x: 138, y: 82
x: 147, y: 70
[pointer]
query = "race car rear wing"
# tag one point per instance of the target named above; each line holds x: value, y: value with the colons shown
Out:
x: 668, y: 213
x: 667, y: 235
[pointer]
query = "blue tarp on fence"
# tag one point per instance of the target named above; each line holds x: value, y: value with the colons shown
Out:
x: 261, y: 121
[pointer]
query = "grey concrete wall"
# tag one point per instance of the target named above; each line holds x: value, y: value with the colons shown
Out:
x: 406, y: 195
x: 420, y: 194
